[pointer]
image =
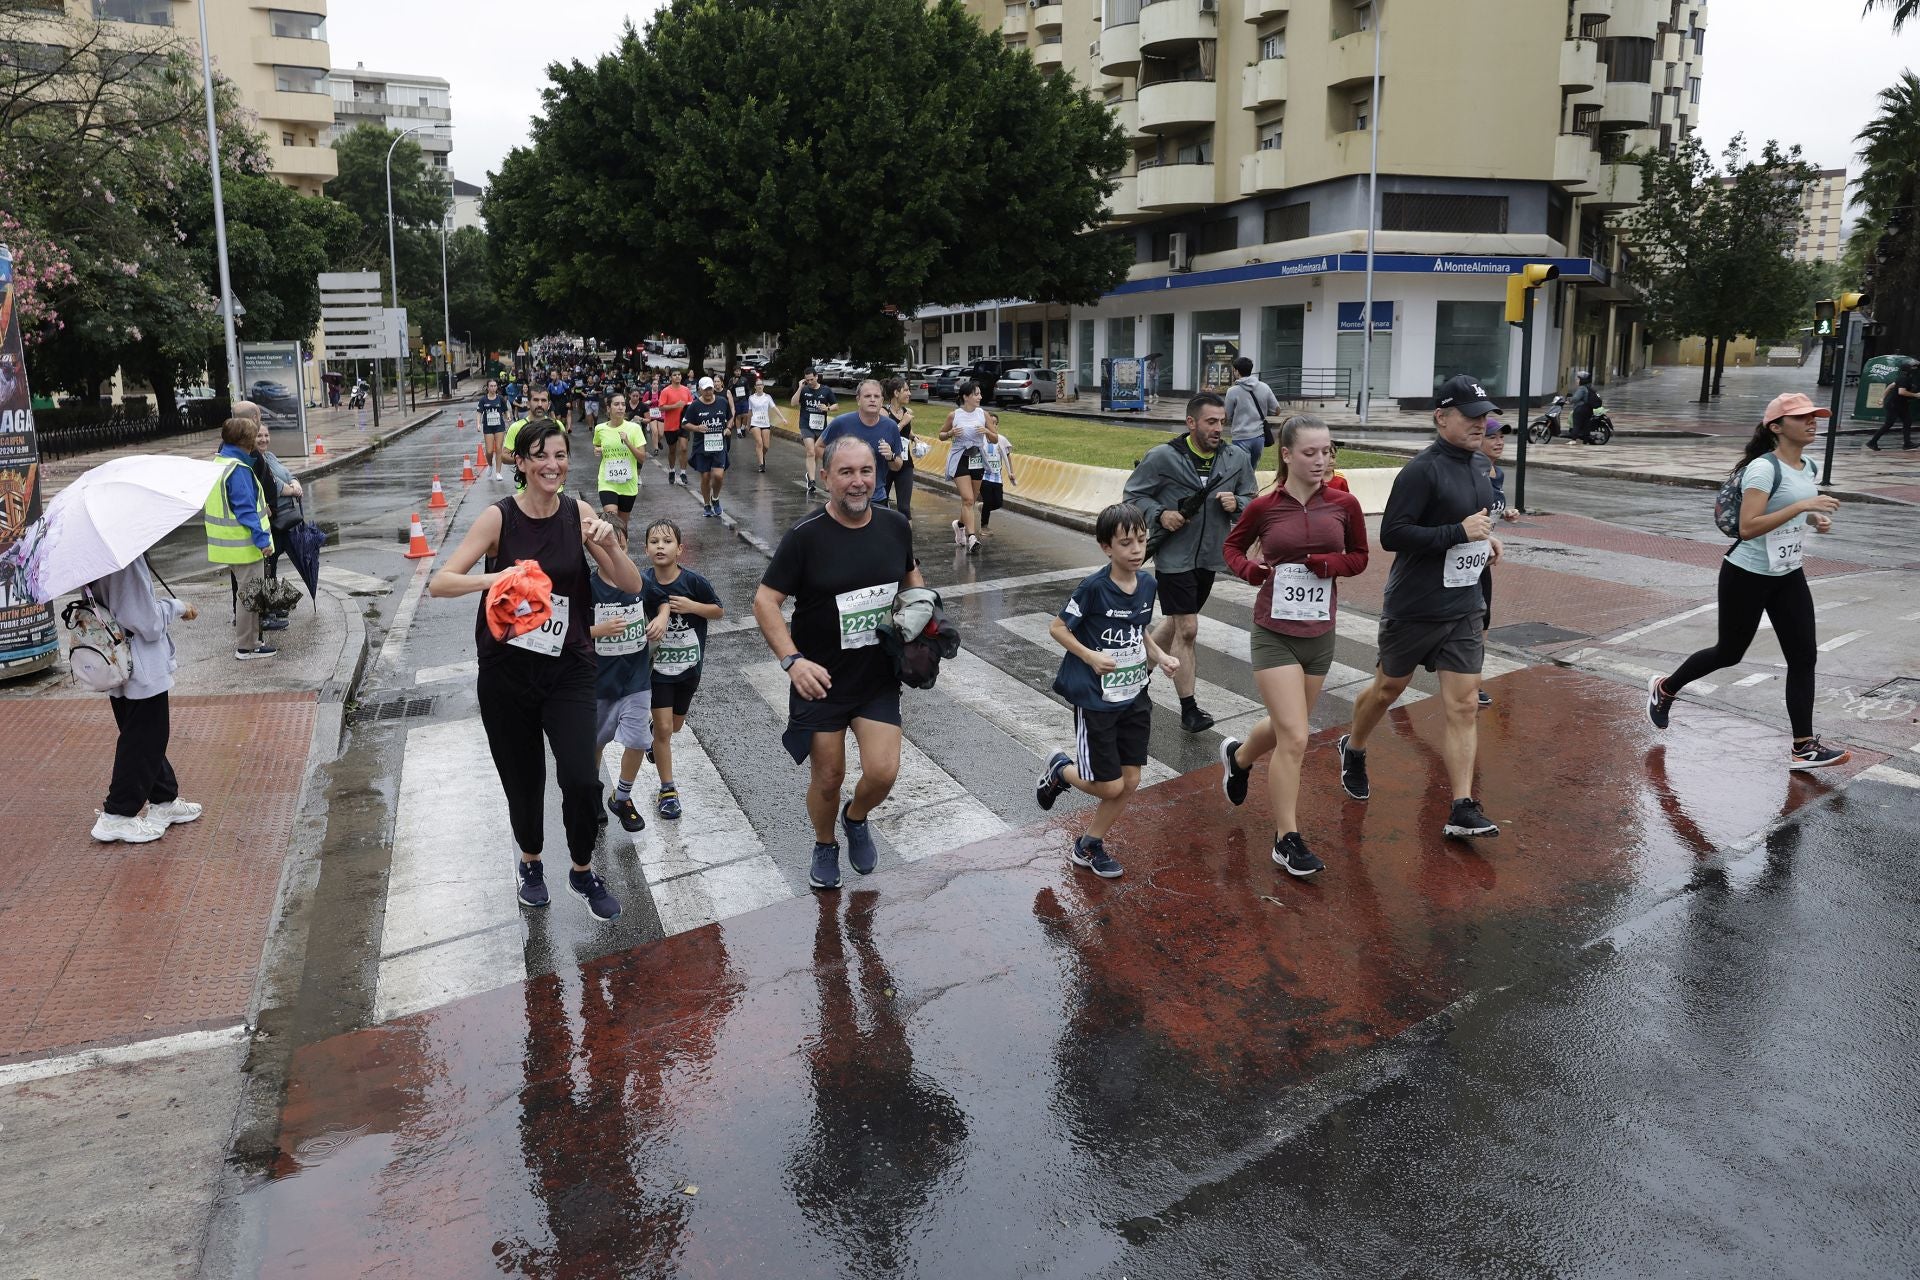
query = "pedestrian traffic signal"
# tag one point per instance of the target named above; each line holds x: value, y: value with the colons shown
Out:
x: 1823, y: 312
x: 1530, y: 276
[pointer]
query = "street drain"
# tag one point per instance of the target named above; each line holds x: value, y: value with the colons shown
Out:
x: 391, y: 709
x: 1528, y: 635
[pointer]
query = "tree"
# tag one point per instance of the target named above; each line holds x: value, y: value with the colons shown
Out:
x: 804, y: 194
x: 1890, y: 230
x: 1901, y: 10
x: 1713, y: 248
x: 422, y: 198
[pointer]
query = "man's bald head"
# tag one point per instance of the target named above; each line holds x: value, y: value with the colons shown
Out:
x: 246, y: 409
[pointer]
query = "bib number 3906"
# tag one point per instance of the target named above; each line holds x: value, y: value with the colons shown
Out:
x: 547, y: 638
x: 1299, y: 595
x: 863, y: 613
x: 1465, y: 561
x: 1786, y: 547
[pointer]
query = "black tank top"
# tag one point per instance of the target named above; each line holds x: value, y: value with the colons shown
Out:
x: 555, y: 544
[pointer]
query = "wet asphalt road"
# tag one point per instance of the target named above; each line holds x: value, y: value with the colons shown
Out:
x: 1722, y: 1088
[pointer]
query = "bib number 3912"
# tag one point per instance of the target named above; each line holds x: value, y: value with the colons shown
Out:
x: 1465, y: 561
x: 548, y: 638
x: 863, y: 613
x: 1299, y: 595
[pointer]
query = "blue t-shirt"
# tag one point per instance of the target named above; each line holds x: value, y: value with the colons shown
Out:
x: 678, y: 657
x: 849, y: 424
x: 494, y: 412
x: 624, y: 665
x: 1107, y: 619
x: 1774, y: 553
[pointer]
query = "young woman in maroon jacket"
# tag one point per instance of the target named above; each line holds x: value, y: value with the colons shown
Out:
x: 1294, y: 542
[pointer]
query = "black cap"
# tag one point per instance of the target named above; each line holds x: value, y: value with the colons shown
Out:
x: 1464, y: 392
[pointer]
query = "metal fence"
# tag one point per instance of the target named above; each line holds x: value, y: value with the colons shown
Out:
x: 66, y: 432
x: 1309, y: 384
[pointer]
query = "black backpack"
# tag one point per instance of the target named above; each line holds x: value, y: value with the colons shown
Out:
x: 1726, y: 503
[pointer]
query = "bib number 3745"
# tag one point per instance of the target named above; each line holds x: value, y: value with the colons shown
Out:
x: 1786, y: 548
x: 1465, y: 561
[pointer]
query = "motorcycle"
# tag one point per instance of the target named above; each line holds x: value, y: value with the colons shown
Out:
x: 1547, y: 426
x: 358, y: 400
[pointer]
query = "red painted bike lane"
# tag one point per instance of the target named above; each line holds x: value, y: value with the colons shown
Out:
x: 987, y: 1062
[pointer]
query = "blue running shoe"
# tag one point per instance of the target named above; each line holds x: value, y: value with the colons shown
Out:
x: 668, y: 802
x: 1051, y: 785
x: 591, y: 887
x: 1090, y: 852
x: 826, y: 866
x: 861, y: 855
x: 533, y: 884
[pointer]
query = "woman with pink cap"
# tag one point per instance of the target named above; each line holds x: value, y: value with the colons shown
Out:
x: 1762, y: 574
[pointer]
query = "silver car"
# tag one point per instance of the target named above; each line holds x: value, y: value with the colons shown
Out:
x: 1026, y: 385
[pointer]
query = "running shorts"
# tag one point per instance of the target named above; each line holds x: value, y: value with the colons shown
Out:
x: 806, y: 718
x: 675, y: 694
x: 1107, y: 741
x: 1451, y: 644
x: 1185, y: 592
x: 622, y: 501
x: 1312, y: 654
x: 626, y: 721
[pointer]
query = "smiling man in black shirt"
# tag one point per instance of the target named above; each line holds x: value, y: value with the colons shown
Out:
x: 842, y: 566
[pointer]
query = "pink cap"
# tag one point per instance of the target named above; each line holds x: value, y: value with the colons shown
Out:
x: 1793, y: 405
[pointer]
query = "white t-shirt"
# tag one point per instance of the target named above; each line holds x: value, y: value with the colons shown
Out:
x: 760, y: 405
x: 996, y: 455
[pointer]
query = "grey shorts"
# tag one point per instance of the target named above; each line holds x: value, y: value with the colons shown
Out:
x: 1455, y: 644
x: 1312, y: 654
x: 627, y: 721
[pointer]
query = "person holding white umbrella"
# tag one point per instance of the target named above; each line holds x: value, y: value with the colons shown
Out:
x: 143, y: 777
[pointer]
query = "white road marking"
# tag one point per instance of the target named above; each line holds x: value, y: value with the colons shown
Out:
x: 1594, y: 658
x: 359, y: 584
x: 1839, y: 640
x: 1748, y: 681
x: 121, y: 1054
x: 1651, y: 627
x: 1230, y: 710
x: 1018, y: 710
x: 955, y: 590
x: 1887, y: 773
x: 394, y: 647
x: 1343, y: 681
x: 1910, y: 617
x: 451, y: 671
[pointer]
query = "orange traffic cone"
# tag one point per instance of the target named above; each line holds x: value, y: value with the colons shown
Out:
x: 319, y: 447
x: 417, y: 548
x: 437, y: 500
x: 460, y: 424
x: 466, y: 470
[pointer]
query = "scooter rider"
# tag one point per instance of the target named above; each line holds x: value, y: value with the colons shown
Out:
x: 1585, y: 401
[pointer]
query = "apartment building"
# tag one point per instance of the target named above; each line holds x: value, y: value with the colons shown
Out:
x: 1823, y: 209
x: 397, y: 101
x: 1506, y: 128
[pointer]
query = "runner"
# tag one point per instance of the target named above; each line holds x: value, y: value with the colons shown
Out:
x: 998, y: 475
x: 1294, y: 542
x: 542, y: 681
x: 680, y: 603
x: 1492, y: 449
x: 740, y: 392
x: 1439, y: 526
x: 705, y: 424
x: 813, y: 400
x: 899, y: 400
x: 623, y: 694
x: 1103, y: 675
x: 560, y: 396
x: 674, y: 398
x: 538, y: 410
x: 493, y: 411
x: 870, y: 424
x: 621, y: 451
x: 842, y: 566
x: 590, y: 403
x: 761, y: 411
x: 971, y: 433
x: 1190, y: 490
x: 1764, y: 573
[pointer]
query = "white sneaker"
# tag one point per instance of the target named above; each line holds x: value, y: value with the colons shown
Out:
x: 173, y: 811
x: 109, y: 827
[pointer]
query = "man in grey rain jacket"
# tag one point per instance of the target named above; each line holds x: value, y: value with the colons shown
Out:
x: 1190, y: 490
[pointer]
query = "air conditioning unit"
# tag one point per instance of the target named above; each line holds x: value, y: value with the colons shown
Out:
x: 1179, y: 257
x: 1209, y: 6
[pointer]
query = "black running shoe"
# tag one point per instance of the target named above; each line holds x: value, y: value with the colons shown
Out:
x: 1051, y: 785
x: 1658, y: 703
x: 1194, y: 720
x: 1353, y: 771
x: 602, y: 904
x: 1486, y: 699
x: 622, y: 807
x: 1291, y: 852
x: 1814, y: 754
x: 1233, y: 778
x: 1465, y: 821
x: 533, y: 884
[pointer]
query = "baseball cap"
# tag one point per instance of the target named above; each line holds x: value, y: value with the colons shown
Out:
x: 1462, y: 392
x: 1792, y: 404
x: 706, y: 384
x: 1495, y: 426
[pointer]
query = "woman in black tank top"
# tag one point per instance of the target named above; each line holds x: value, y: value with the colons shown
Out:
x: 542, y: 682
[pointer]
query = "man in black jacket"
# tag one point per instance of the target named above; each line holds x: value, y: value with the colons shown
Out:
x: 1439, y: 525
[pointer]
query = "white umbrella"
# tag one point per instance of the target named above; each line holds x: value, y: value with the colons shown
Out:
x: 105, y: 520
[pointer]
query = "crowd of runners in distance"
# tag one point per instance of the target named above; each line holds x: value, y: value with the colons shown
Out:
x: 618, y: 651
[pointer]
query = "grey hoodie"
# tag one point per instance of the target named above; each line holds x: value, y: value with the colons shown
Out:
x: 1166, y: 476
x: 145, y: 618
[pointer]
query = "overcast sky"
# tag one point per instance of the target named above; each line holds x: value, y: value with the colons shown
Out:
x: 1804, y: 71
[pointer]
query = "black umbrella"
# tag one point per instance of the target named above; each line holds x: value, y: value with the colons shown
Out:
x: 303, y: 543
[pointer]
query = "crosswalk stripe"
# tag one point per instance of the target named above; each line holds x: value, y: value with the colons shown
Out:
x: 356, y: 583
x: 1595, y: 658
x: 1748, y: 681
x: 1230, y: 710
x: 929, y: 811
x: 1019, y: 710
x: 1837, y: 641
x: 1342, y: 681
x: 451, y: 671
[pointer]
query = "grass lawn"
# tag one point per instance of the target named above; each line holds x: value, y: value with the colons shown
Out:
x: 1096, y: 444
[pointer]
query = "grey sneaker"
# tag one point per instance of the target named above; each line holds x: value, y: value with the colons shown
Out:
x: 826, y: 866
x: 1466, y: 821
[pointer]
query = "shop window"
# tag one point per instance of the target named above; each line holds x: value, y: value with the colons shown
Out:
x: 1438, y: 211
x: 1471, y: 338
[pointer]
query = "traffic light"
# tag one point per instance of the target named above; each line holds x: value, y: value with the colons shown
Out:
x: 1823, y: 311
x: 1851, y: 302
x: 1530, y: 276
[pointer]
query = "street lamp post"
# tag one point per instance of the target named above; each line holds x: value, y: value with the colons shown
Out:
x: 219, y: 213
x: 1364, y: 401
x: 393, y: 253
x: 446, y: 312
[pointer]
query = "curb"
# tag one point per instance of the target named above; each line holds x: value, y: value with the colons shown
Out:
x: 334, y: 463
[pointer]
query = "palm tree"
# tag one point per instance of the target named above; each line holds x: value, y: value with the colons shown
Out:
x: 1902, y: 10
x: 1890, y: 194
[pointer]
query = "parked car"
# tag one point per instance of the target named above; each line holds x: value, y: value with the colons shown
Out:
x: 946, y: 380
x: 919, y: 384
x: 1027, y: 386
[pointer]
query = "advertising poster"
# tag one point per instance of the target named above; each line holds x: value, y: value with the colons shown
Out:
x: 271, y: 373
x: 28, y: 641
x: 1217, y: 354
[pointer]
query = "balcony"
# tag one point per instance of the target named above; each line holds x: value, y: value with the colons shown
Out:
x: 1263, y: 171
x: 1168, y: 188
x: 1049, y: 17
x: 1126, y: 114
x: 304, y: 162
x: 1124, y: 204
x: 1349, y: 59
x: 1120, y: 49
x: 1700, y: 17
x: 150, y: 13
x: 1050, y: 55
x: 1261, y: 10
x: 1167, y: 26
x: 1574, y: 163
x: 1263, y: 84
x: 296, y: 108
x: 1579, y: 64
x: 1017, y: 22
x: 1617, y: 186
x: 1628, y: 105
x: 1592, y: 9
x: 1176, y: 104
x: 288, y: 52
x: 1639, y: 18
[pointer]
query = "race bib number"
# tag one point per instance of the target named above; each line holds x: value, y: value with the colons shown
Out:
x: 1299, y: 595
x: 491, y: 418
x: 816, y: 421
x: 550, y: 636
x: 1786, y: 547
x: 617, y: 471
x: 1129, y: 674
x: 632, y: 640
x: 992, y: 474
x: 1464, y: 563
x: 679, y: 650
x: 740, y: 394
x: 863, y: 613
x: 715, y: 442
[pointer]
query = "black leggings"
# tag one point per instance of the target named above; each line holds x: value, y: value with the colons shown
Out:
x: 141, y: 772
x: 900, y: 491
x: 1744, y: 596
x: 992, y: 498
x: 515, y: 711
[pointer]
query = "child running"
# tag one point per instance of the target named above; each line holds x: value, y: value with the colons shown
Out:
x: 680, y: 604
x: 623, y: 697
x: 998, y: 475
x: 1109, y: 658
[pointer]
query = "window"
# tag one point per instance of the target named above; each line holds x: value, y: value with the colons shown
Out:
x: 290, y: 24
x: 1274, y: 45
x: 22, y: 56
x: 1629, y: 59
x: 1120, y: 336
x: 1423, y: 211
x: 1699, y: 41
x: 1288, y: 222
x: 1471, y: 338
x: 300, y: 79
x: 151, y: 13
x: 1693, y: 90
x: 1584, y: 118
x: 1159, y: 245
x: 1362, y: 115
x: 1219, y: 235
x: 1084, y: 364
x: 1269, y: 134
x: 286, y: 140
x: 1196, y: 149
x: 1283, y: 336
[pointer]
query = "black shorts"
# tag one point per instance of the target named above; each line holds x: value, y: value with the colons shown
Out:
x: 1107, y: 741
x: 833, y: 715
x: 1454, y: 644
x: 622, y: 501
x: 677, y: 694
x: 1185, y: 592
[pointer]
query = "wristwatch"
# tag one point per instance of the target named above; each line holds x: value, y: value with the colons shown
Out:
x: 786, y: 663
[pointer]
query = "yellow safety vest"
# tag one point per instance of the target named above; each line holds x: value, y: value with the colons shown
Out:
x: 228, y: 540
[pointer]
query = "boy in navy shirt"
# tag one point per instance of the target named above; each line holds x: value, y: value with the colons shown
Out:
x: 1104, y: 675
x: 679, y: 603
x: 623, y: 695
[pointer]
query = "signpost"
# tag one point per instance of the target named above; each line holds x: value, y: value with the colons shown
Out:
x: 353, y: 320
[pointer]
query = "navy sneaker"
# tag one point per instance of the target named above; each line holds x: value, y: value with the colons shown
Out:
x: 706, y: 509
x: 1090, y: 852
x: 1233, y: 778
x: 1291, y: 852
x: 1051, y: 785
x: 1466, y: 821
x: 1659, y: 705
x: 275, y: 623
x: 591, y: 887
x: 861, y: 855
x: 826, y: 866
x: 622, y: 808
x: 1353, y: 771
x: 1486, y: 699
x: 668, y: 802
x: 719, y: 513
x: 533, y: 884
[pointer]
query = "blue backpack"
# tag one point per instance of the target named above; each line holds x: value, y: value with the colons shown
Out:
x: 1726, y: 504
